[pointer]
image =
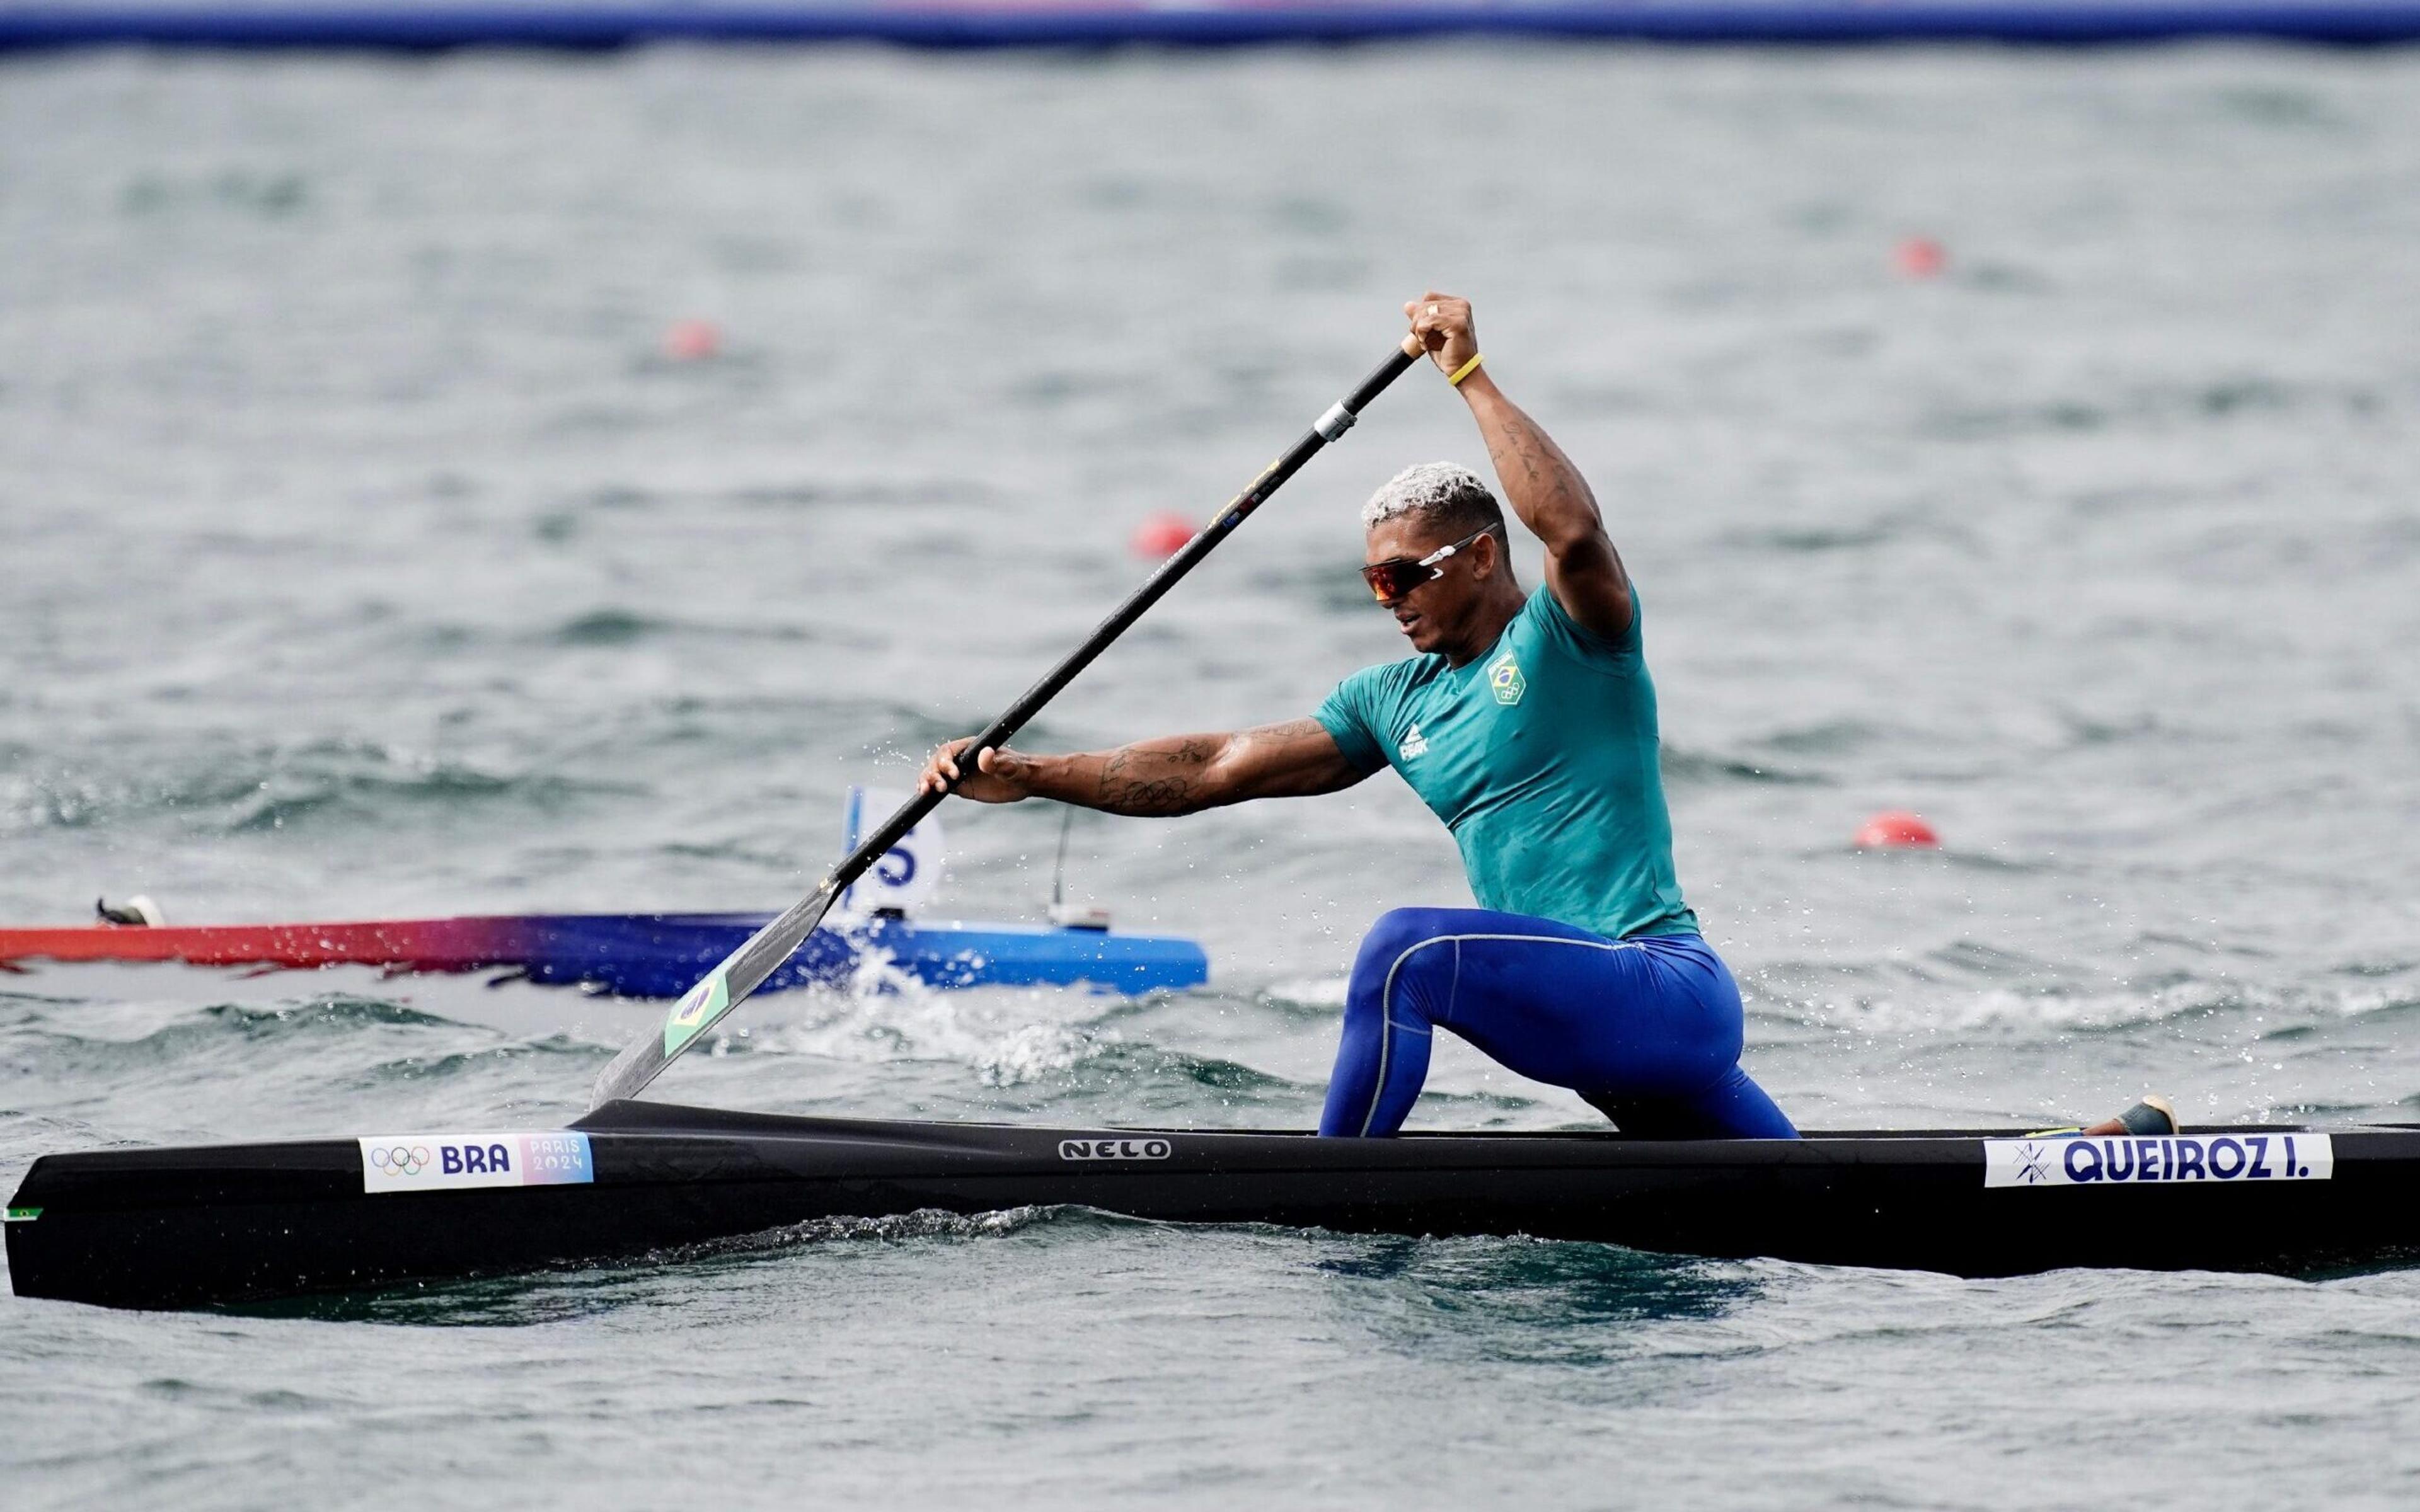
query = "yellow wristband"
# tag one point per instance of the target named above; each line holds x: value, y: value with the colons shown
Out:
x: 1466, y: 369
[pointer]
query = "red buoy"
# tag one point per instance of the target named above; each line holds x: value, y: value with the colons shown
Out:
x: 1920, y: 257
x: 1897, y: 830
x: 692, y: 341
x: 1161, y: 535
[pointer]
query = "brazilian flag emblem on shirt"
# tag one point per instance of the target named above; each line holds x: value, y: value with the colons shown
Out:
x: 1504, y: 678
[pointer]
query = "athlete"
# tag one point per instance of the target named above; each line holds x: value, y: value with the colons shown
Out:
x: 1526, y: 721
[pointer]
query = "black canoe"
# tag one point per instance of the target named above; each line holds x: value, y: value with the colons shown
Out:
x: 181, y: 1227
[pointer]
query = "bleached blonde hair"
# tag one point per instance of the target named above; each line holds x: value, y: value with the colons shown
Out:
x: 1449, y: 496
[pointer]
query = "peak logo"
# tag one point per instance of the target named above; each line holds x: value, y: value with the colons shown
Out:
x: 432, y: 1163
x: 1114, y: 1149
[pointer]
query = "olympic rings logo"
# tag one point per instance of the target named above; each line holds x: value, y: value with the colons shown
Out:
x: 401, y: 1160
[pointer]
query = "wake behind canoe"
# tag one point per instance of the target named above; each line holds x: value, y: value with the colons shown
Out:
x: 181, y: 1227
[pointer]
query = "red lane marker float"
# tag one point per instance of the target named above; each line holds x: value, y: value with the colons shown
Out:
x: 1920, y: 257
x: 1897, y: 830
x: 1161, y: 535
x: 692, y: 341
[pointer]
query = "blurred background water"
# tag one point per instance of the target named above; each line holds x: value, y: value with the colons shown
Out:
x: 363, y: 550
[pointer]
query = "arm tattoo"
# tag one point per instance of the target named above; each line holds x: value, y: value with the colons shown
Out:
x: 1185, y: 774
x: 1149, y: 778
x: 1549, y: 491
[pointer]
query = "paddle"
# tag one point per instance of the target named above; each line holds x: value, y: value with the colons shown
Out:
x: 723, y: 988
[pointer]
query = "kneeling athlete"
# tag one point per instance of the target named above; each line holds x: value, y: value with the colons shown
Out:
x: 1527, y: 722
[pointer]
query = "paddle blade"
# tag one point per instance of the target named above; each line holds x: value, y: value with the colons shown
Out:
x: 704, y: 1005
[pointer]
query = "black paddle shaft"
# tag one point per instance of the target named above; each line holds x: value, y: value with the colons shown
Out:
x: 1002, y: 730
x: 722, y: 988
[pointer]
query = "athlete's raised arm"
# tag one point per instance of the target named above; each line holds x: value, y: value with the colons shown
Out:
x: 1540, y: 483
x: 1177, y: 775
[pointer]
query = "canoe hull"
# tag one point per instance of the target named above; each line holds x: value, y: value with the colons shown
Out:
x: 219, y: 1225
x: 647, y: 955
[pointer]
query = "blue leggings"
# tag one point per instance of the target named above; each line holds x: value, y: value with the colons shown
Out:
x: 1646, y: 1029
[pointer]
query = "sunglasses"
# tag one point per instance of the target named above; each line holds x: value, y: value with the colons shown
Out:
x: 1395, y: 576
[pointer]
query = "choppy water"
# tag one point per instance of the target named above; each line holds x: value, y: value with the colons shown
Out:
x: 363, y: 554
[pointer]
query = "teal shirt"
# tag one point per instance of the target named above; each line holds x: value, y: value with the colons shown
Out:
x: 1541, y: 757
